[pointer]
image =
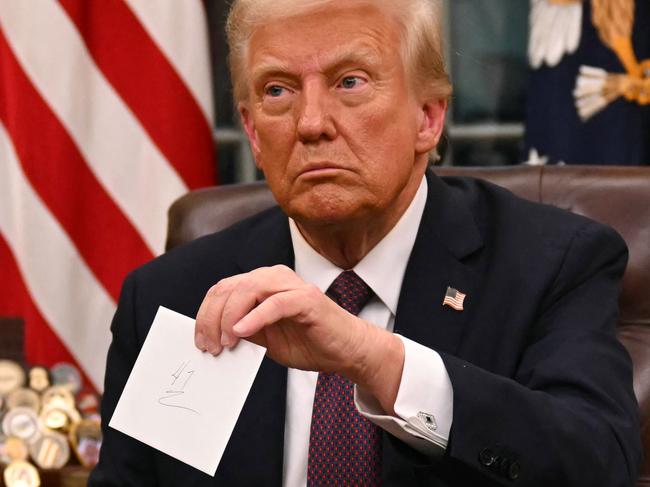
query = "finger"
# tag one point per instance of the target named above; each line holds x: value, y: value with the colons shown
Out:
x: 248, y: 291
x: 267, y: 281
x: 253, y: 288
x: 199, y: 340
x: 207, y: 335
x: 238, y: 294
x: 295, y: 304
x: 241, y: 300
x: 228, y: 340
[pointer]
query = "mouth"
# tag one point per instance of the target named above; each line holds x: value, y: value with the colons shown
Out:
x: 320, y: 169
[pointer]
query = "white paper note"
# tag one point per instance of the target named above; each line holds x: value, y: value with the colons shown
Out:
x: 181, y: 401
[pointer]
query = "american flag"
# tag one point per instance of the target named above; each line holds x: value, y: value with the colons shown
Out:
x: 454, y: 298
x: 105, y: 119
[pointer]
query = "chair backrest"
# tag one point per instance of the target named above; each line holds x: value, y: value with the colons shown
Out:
x: 617, y: 196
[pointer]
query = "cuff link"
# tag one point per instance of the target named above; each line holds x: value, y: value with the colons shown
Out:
x: 428, y: 420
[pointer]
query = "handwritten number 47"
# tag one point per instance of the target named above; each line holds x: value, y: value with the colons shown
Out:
x: 181, y: 377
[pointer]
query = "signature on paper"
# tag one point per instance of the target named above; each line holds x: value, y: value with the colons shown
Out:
x: 180, y: 378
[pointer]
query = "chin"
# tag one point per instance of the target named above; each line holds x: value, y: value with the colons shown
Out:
x: 326, y: 213
x: 326, y: 204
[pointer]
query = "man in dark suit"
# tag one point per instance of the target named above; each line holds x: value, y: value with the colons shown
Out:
x: 475, y: 330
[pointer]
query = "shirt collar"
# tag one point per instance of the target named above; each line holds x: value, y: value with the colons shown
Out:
x: 382, y: 268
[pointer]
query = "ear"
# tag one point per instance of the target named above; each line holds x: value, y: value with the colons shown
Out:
x: 430, y: 125
x: 249, y: 126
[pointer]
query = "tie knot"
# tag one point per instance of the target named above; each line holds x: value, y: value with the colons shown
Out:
x: 350, y: 292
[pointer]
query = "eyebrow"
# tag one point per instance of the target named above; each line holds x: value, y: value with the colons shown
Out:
x: 269, y: 67
x: 351, y: 55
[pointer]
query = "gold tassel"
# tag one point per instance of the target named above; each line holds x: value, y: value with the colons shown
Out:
x: 596, y: 88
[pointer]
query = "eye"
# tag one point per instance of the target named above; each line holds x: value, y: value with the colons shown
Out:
x: 352, y: 82
x: 274, y: 91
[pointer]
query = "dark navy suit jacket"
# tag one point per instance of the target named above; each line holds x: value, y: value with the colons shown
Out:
x: 542, y: 388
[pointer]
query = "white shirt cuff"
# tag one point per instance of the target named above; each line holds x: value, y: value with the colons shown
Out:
x: 424, y: 404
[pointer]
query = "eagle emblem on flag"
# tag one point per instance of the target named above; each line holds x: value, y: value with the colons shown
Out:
x: 556, y: 31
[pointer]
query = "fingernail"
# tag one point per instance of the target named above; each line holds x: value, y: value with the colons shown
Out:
x: 214, y: 349
x: 239, y: 328
x: 226, y: 340
x: 199, y: 341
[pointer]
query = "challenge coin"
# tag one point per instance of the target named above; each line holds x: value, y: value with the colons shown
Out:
x: 59, y: 418
x: 67, y: 375
x: 58, y: 396
x: 86, y: 440
x: 24, y: 397
x: 16, y: 449
x: 39, y: 379
x: 21, y: 474
x: 51, y: 450
x: 21, y: 422
x: 12, y: 376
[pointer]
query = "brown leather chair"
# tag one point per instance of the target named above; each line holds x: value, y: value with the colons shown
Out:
x: 617, y: 196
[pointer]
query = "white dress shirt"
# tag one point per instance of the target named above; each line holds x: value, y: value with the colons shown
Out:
x: 424, y: 404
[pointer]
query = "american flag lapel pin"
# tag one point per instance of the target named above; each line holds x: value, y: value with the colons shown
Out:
x: 454, y: 298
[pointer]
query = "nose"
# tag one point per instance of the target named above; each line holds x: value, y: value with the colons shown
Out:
x: 315, y: 117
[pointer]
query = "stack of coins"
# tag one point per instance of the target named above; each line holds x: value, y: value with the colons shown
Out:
x: 45, y: 417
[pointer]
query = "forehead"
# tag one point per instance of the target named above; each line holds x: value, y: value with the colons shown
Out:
x: 325, y: 36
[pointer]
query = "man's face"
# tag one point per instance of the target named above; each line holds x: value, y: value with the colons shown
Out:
x: 331, y: 117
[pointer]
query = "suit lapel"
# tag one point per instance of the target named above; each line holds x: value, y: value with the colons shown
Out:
x: 255, y: 453
x: 446, y: 239
x: 268, y: 242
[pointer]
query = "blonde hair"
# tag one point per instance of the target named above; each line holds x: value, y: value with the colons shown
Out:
x: 419, y: 21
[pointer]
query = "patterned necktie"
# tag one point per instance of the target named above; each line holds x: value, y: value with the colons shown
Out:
x: 344, y: 447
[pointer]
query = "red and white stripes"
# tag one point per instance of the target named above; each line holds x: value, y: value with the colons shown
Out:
x: 105, y: 116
